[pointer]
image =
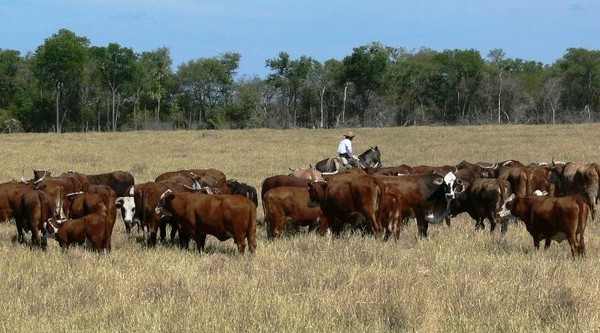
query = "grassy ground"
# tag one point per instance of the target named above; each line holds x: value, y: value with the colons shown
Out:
x: 457, y: 280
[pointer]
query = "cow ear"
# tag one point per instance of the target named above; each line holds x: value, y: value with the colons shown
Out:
x: 438, y: 181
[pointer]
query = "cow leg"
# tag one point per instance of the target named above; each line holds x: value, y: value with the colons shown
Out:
x: 20, y: 235
x: 200, y: 242
x: 240, y: 241
x: 479, y: 225
x: 504, y: 227
x: 492, y: 223
x: 184, y: 239
x: 163, y: 230
x: 447, y: 218
x: 422, y: 224
x: 547, y: 242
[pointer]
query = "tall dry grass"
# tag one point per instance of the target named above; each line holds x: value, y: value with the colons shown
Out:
x: 457, y: 280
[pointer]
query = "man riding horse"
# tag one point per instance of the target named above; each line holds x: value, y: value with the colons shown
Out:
x: 345, y: 150
x: 346, y: 160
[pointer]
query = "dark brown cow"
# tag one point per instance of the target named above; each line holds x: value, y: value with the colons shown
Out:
x: 31, y: 209
x: 223, y: 216
x: 119, y: 181
x: 548, y: 219
x: 341, y: 201
x: 573, y: 178
x: 238, y: 188
x: 289, y: 206
x: 483, y: 199
x: 92, y: 227
x: 424, y: 197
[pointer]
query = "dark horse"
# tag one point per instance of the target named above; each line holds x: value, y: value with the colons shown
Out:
x: 369, y: 159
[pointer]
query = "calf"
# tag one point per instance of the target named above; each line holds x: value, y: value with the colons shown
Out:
x: 92, y: 227
x: 550, y: 219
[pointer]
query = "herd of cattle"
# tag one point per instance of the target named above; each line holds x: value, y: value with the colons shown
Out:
x: 553, y: 200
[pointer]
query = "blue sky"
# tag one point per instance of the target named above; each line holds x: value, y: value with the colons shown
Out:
x: 539, y: 30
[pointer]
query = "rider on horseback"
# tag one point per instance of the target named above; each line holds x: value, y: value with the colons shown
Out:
x: 345, y: 150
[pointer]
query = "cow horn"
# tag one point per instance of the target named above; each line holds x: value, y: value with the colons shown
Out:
x: 23, y: 175
x: 74, y: 193
x: 193, y: 188
x: 40, y: 180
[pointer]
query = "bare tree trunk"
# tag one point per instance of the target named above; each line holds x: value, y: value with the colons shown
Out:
x: 113, y: 114
x: 58, y: 108
x: 344, y: 103
x: 322, y: 98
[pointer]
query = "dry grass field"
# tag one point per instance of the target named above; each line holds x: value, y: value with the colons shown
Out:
x: 456, y: 280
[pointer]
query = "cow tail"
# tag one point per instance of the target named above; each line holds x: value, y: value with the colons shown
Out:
x: 251, y: 230
x: 267, y: 222
x: 584, y: 211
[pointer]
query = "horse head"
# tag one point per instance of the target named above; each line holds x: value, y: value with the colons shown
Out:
x: 370, y: 158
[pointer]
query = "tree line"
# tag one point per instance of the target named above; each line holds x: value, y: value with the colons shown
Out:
x: 68, y: 85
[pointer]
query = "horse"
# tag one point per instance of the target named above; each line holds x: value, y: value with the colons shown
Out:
x: 371, y: 158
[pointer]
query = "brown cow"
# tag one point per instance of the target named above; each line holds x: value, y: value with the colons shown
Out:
x: 289, y: 206
x: 92, y: 227
x: 8, y: 191
x: 282, y: 180
x: 483, y: 199
x: 221, y: 215
x: 100, y: 199
x: 573, y: 178
x: 424, y: 197
x: 146, y: 197
x: 550, y: 219
x: 341, y: 201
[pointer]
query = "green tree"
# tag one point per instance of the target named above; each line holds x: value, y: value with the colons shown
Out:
x: 367, y: 68
x: 462, y: 72
x: 209, y: 82
x: 581, y: 72
x: 117, y: 66
x: 59, y: 63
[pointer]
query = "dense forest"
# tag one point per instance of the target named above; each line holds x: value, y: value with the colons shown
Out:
x: 68, y: 85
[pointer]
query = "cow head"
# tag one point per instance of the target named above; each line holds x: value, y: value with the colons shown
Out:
x: 506, y: 206
x: 451, y: 185
x: 51, y: 227
x: 316, y: 193
x: 165, y: 198
x: 127, y: 207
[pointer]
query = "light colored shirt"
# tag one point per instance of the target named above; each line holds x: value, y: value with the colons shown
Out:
x: 345, y: 147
